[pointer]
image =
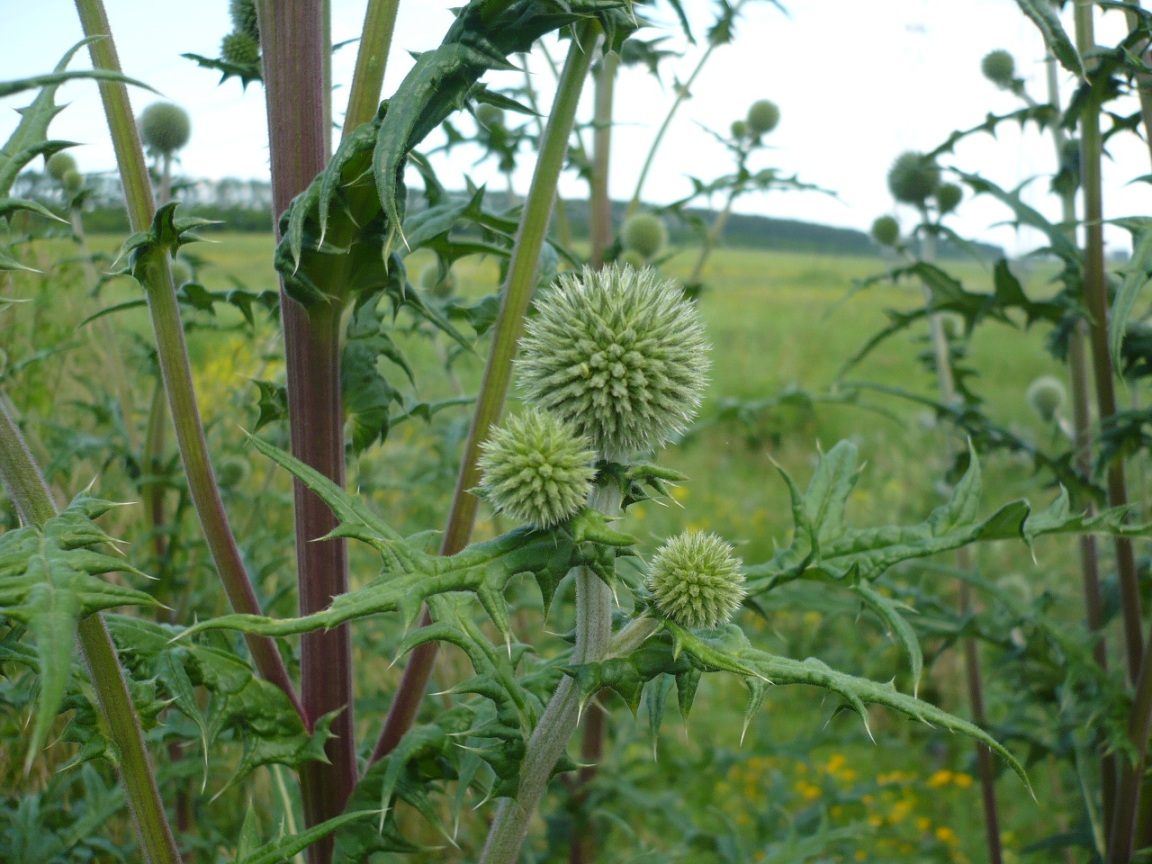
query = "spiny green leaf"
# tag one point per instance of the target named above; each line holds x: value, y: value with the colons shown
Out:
x: 1044, y: 16
x: 8, y: 206
x: 287, y: 848
x: 55, y: 79
x: 1136, y: 275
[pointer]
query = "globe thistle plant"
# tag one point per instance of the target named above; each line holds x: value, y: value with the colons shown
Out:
x: 999, y: 67
x: 645, y: 234
x: 619, y: 354
x: 763, y: 115
x: 913, y: 178
x: 695, y: 580
x: 537, y: 468
x: 240, y: 49
x: 164, y: 128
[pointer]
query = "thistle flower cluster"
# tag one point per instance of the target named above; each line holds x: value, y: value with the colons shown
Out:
x: 620, y: 355
x: 695, y: 580
x: 537, y: 469
x: 913, y: 178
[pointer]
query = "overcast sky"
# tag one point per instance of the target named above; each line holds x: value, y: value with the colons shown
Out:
x: 857, y: 83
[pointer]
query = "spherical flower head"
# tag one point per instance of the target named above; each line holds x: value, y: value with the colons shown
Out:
x: 435, y: 284
x: 537, y: 468
x: 763, y: 115
x: 489, y: 116
x: 999, y: 67
x: 618, y: 353
x: 244, y: 19
x: 240, y: 49
x: 72, y: 181
x: 913, y: 177
x: 1046, y: 395
x: 695, y: 580
x: 59, y: 164
x: 644, y: 233
x: 165, y: 128
x: 886, y: 231
x: 948, y: 197
x: 740, y: 130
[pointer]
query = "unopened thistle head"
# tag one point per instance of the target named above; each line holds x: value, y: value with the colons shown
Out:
x: 913, y: 178
x: 72, y: 181
x: 1046, y: 396
x: 164, y: 128
x: 999, y: 67
x: 886, y: 231
x: 537, y: 468
x: 695, y: 580
x: 241, y: 49
x: 644, y: 233
x: 244, y: 18
x: 740, y: 130
x: 948, y: 197
x: 619, y: 354
x: 59, y: 164
x: 763, y: 115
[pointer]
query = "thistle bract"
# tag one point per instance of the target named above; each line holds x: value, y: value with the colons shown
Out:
x: 644, y: 233
x: 59, y: 164
x: 999, y: 67
x: 1046, y: 395
x: 886, y: 231
x: 913, y: 178
x: 537, y: 468
x: 695, y: 580
x: 165, y: 128
x: 619, y: 354
x: 763, y: 116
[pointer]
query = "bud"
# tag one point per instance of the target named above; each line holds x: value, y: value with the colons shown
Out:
x: 695, y: 580
x: 489, y: 116
x: 244, y: 18
x: 631, y: 258
x: 240, y: 49
x: 763, y: 116
x: 431, y: 282
x: 164, y: 128
x: 948, y: 197
x: 913, y: 178
x: 886, y: 231
x: 644, y: 233
x: 234, y: 471
x: 1046, y: 395
x: 740, y: 130
x: 999, y: 68
x: 537, y: 469
x: 59, y: 164
x: 619, y: 354
x: 72, y: 181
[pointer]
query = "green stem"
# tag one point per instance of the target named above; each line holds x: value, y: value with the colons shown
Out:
x: 520, y: 283
x: 713, y: 239
x: 173, y: 352
x: 550, y: 737
x: 600, y: 231
x: 28, y: 491
x: 292, y: 40
x: 371, y: 61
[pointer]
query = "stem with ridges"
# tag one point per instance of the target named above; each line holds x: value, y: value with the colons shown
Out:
x: 550, y: 737
x: 371, y: 61
x: 173, y: 353
x: 517, y: 294
x: 29, y: 493
x: 292, y: 42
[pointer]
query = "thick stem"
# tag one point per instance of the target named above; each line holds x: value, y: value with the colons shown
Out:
x: 292, y: 37
x: 521, y: 282
x: 600, y: 231
x: 371, y: 61
x: 550, y: 737
x: 28, y: 491
x: 173, y: 352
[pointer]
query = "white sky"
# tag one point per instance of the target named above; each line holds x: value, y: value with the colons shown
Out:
x: 857, y: 83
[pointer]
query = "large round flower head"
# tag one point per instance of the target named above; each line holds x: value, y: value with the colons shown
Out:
x: 165, y: 128
x: 999, y: 67
x: 644, y: 233
x: 244, y: 18
x: 913, y: 177
x: 695, y: 580
x: 763, y: 115
x: 619, y: 354
x: 948, y: 197
x: 537, y: 468
x: 59, y: 164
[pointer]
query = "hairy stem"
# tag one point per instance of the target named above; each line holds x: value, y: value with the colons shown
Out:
x: 29, y: 493
x: 292, y: 37
x: 600, y: 230
x: 521, y: 282
x: 550, y: 737
x: 173, y: 352
x: 371, y: 61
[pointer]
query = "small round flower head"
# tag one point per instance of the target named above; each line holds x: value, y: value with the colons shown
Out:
x: 489, y: 116
x: 240, y: 49
x: 619, y: 354
x: 913, y: 177
x: 234, y: 471
x: 59, y: 164
x: 644, y: 233
x: 695, y: 580
x: 631, y: 258
x: 999, y: 67
x: 948, y: 197
x: 72, y: 181
x: 763, y: 116
x: 1046, y: 395
x: 244, y: 19
x: 537, y: 468
x: 431, y: 281
x: 740, y: 130
x: 886, y: 231
x: 164, y: 128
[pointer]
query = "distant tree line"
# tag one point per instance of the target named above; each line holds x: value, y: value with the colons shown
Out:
x: 246, y: 205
